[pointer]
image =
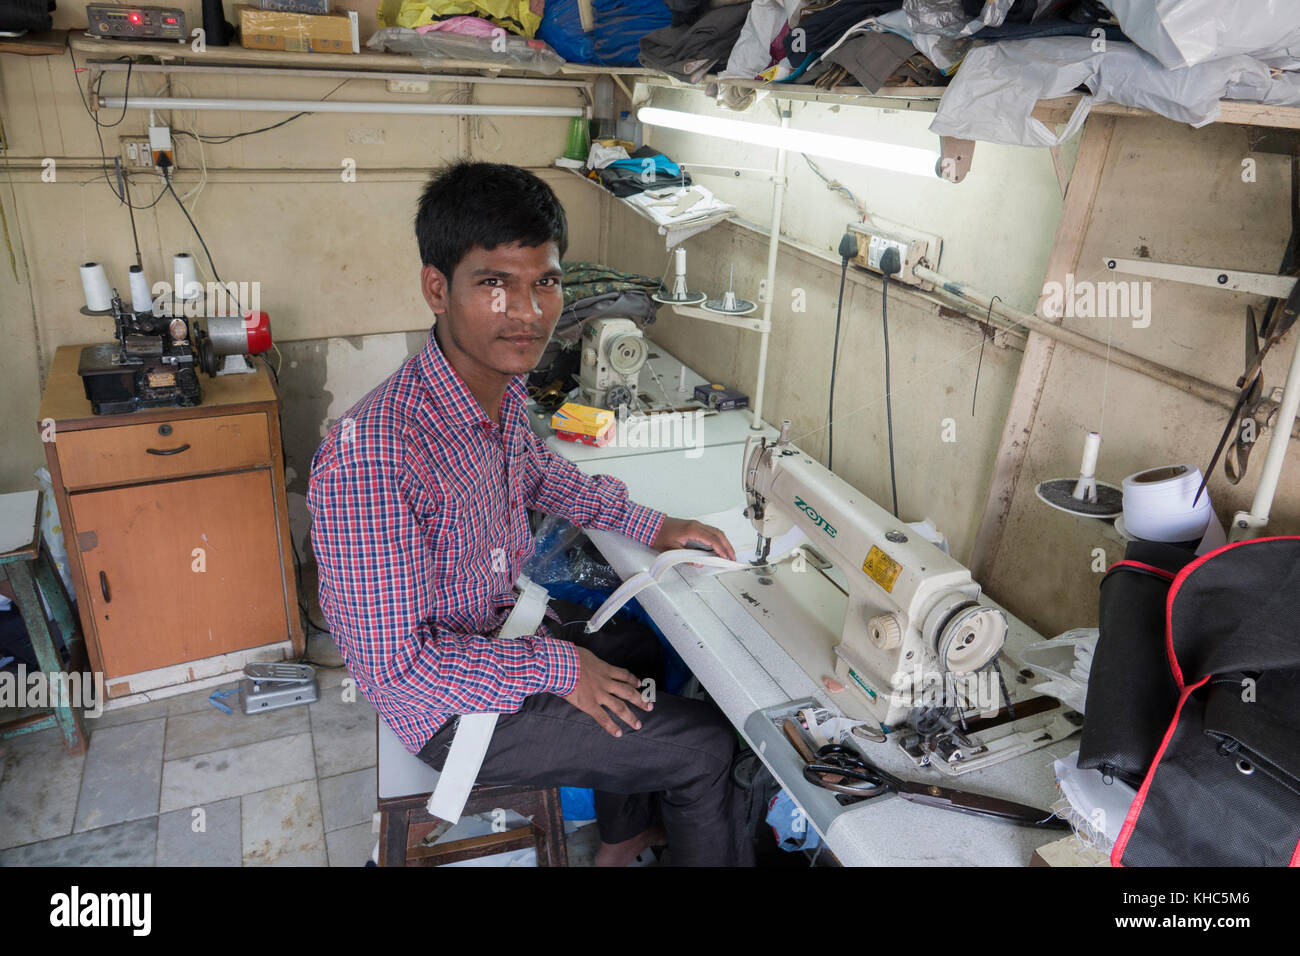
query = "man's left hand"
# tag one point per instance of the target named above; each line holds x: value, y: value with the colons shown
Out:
x: 684, y: 532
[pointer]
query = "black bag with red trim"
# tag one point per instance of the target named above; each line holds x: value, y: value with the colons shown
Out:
x: 1223, y: 788
x: 1131, y: 693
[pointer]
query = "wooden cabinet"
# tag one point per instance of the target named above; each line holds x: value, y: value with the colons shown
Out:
x: 177, y: 530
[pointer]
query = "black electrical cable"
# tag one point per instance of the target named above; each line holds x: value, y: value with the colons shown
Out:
x: 835, y: 356
x: 211, y: 265
x: 848, y: 249
x: 103, y: 156
x: 889, y: 264
x: 223, y: 139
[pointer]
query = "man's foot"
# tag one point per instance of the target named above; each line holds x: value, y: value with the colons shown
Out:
x: 621, y: 854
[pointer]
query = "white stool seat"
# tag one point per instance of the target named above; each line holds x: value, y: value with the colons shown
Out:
x: 401, y: 773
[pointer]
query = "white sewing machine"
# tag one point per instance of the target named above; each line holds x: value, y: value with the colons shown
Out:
x: 902, y: 626
x: 613, y: 353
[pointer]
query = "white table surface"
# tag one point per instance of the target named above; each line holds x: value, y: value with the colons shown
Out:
x: 745, y: 669
x: 719, y: 428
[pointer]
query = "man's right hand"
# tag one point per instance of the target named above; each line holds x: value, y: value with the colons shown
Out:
x: 602, y: 686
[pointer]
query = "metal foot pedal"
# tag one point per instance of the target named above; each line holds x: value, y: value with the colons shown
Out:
x: 272, y: 686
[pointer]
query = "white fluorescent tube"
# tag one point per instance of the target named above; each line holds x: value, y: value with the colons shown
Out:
x: 331, y: 106
x: 901, y: 159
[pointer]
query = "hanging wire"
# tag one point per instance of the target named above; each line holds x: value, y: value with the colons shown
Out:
x: 984, y: 335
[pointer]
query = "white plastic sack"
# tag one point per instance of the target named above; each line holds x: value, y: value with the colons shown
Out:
x: 1099, y: 807
x: 1182, y: 33
x: 994, y: 93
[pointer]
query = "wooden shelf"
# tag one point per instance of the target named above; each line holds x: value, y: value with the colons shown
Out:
x: 49, y: 43
x: 95, y: 49
x: 915, y: 99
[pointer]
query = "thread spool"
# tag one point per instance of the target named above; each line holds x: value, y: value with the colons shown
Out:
x: 94, y: 288
x: 141, y: 300
x: 1158, y: 504
x: 1084, y: 496
x: 1087, y: 483
x: 186, y: 277
x: 680, y: 294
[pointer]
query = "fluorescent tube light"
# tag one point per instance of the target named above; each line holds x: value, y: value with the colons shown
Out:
x: 332, y: 106
x: 900, y: 159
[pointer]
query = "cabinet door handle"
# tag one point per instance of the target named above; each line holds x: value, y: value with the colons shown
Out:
x: 103, y: 587
x: 168, y: 451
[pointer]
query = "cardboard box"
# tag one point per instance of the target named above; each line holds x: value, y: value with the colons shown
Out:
x: 720, y: 397
x: 573, y: 419
x: 298, y: 32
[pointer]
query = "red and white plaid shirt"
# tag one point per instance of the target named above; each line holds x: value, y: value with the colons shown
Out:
x: 419, y: 527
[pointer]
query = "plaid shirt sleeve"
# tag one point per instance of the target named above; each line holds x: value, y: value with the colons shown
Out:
x: 377, y: 587
x: 555, y: 485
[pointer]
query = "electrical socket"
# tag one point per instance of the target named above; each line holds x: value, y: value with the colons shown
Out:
x: 408, y: 86
x: 913, y: 246
x: 135, y: 152
x: 160, y: 145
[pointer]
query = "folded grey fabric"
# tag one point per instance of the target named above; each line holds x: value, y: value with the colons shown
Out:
x: 710, y: 38
x: 872, y: 58
x: 627, y: 303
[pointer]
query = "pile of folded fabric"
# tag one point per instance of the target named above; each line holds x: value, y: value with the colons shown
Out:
x: 996, y: 58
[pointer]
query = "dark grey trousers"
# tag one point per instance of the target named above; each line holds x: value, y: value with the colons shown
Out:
x: 676, y: 769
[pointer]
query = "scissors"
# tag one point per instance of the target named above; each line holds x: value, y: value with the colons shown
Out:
x: 835, y: 765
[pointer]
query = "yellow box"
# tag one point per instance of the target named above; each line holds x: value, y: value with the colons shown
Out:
x: 298, y: 32
x: 583, y: 420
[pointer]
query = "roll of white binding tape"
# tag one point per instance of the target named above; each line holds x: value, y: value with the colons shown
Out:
x: 1158, y: 504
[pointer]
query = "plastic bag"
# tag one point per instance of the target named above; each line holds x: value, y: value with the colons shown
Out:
x: 620, y: 25
x: 432, y: 49
x: 52, y: 531
x: 1067, y: 660
x: 1182, y: 33
x: 562, y: 29
x: 518, y: 16
x: 558, y: 557
x: 994, y: 93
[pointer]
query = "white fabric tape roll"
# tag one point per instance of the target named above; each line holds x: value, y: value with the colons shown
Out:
x: 1158, y: 504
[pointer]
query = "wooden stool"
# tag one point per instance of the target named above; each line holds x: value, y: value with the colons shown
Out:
x: 407, y: 830
x: 26, y: 562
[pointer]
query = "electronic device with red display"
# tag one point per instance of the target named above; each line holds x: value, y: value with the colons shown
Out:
x: 135, y: 23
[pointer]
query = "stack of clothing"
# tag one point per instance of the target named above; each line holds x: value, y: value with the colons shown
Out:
x: 1178, y: 58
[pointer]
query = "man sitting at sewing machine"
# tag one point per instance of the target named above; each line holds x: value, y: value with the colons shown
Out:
x: 418, y: 499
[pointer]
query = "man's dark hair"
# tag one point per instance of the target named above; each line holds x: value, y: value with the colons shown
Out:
x: 485, y: 204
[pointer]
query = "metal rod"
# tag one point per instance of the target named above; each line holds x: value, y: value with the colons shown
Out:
x: 1206, y: 391
x: 331, y: 106
x: 773, y: 246
x: 1278, y: 443
x: 115, y: 66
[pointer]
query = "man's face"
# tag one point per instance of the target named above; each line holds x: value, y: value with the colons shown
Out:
x: 500, y: 308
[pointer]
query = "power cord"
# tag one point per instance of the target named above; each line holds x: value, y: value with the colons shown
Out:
x: 889, y: 265
x: 848, y: 249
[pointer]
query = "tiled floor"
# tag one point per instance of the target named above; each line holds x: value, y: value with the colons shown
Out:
x: 178, y: 782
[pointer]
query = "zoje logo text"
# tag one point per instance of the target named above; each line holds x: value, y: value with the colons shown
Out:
x: 102, y: 909
x: 811, y: 512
